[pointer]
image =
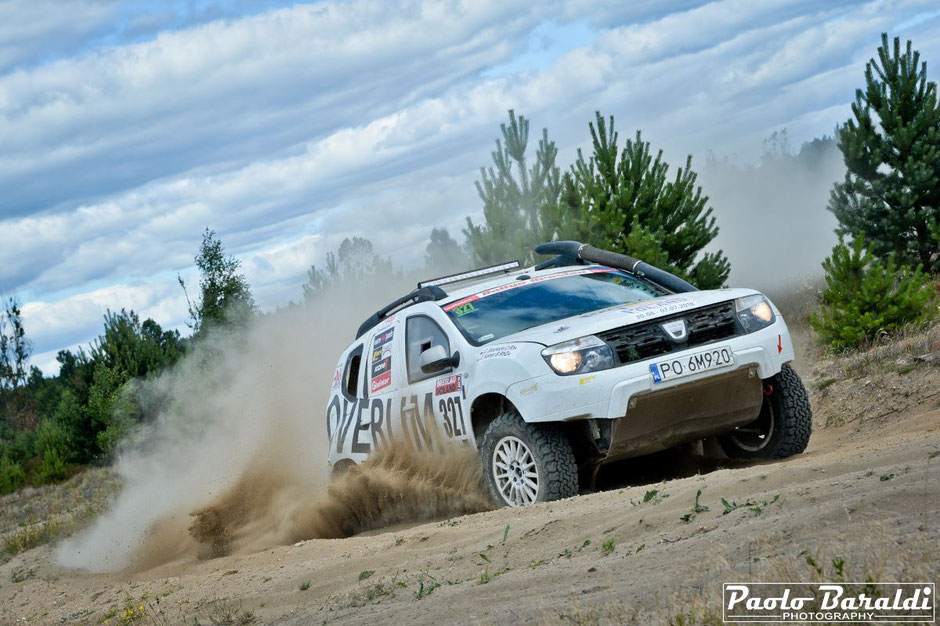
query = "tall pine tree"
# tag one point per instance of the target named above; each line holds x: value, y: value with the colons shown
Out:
x: 624, y: 200
x: 514, y: 197
x: 891, y: 192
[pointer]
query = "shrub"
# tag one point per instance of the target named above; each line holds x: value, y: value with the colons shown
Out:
x: 51, y: 468
x: 12, y: 475
x: 51, y: 436
x: 111, y: 407
x: 79, y: 420
x: 865, y: 296
x: 17, y: 446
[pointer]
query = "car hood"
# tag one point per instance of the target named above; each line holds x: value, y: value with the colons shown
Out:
x: 622, y: 315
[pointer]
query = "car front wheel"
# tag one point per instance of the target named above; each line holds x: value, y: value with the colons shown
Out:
x: 783, y: 427
x: 527, y: 463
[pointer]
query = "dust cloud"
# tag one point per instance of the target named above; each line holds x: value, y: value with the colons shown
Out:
x: 395, y: 485
x: 774, y: 224
x: 235, y: 458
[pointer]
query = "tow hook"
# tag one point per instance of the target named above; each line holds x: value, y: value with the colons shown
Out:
x: 768, y: 389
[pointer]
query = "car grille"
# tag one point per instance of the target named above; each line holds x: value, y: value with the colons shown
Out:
x: 648, y: 339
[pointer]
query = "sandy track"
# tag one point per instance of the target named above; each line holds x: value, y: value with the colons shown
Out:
x: 867, y: 492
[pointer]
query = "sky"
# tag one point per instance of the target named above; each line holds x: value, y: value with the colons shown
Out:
x: 127, y: 128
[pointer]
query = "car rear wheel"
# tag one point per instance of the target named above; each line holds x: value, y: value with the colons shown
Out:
x: 783, y: 427
x: 527, y: 463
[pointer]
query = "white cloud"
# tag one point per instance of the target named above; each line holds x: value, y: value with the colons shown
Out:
x: 226, y: 91
x: 32, y: 31
x: 59, y: 323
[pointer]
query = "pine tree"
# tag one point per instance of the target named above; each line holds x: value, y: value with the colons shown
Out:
x: 225, y: 296
x: 134, y: 348
x: 865, y: 296
x: 624, y: 201
x: 891, y: 192
x: 515, y: 197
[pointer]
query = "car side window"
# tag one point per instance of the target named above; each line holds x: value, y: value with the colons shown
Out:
x: 351, y: 374
x: 421, y: 332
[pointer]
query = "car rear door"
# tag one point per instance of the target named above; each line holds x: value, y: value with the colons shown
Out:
x: 384, y: 377
x: 365, y: 393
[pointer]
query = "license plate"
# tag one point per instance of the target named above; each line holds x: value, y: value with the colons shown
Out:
x: 701, y: 361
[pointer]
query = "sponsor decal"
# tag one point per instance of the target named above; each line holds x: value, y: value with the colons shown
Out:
x: 648, y: 309
x: 337, y: 377
x: 382, y: 366
x: 383, y: 338
x: 530, y: 389
x: 382, y: 353
x: 505, y: 350
x: 866, y: 602
x: 447, y: 384
x: 381, y: 381
x: 517, y: 284
x: 381, y: 360
x: 586, y: 379
x: 460, y: 303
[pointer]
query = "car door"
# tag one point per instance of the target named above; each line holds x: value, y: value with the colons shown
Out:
x: 433, y: 409
x: 366, y: 387
x: 384, y: 377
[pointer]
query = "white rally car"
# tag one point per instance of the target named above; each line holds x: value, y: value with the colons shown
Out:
x: 554, y: 370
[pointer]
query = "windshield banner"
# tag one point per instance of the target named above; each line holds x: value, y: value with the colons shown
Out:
x: 523, y: 283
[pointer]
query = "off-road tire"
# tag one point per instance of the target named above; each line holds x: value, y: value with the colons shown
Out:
x: 792, y: 420
x: 552, y: 452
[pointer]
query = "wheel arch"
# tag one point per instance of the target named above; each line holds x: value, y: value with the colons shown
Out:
x: 341, y: 467
x: 485, y: 408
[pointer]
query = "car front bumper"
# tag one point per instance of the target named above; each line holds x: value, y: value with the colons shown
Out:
x: 610, y: 394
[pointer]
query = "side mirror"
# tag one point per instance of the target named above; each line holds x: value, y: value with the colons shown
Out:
x: 436, y: 359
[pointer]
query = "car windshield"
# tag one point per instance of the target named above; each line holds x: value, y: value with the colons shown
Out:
x: 501, y: 311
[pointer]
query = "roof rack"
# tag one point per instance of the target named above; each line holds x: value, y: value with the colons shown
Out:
x: 422, y: 294
x: 499, y: 268
x: 430, y: 290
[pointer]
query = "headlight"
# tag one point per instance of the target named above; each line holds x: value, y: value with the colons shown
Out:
x: 754, y: 312
x: 584, y: 354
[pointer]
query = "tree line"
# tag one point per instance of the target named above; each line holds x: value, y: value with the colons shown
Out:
x: 50, y: 426
x: 880, y: 277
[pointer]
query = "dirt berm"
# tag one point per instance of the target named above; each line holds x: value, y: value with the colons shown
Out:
x: 862, y: 501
